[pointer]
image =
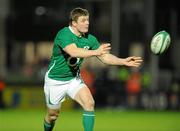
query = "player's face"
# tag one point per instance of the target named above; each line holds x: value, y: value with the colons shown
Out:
x: 82, y: 24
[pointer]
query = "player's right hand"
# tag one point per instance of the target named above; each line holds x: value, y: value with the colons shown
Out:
x: 103, y: 49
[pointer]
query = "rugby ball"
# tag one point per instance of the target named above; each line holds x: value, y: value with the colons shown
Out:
x: 160, y: 42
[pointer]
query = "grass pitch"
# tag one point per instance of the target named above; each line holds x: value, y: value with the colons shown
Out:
x: 105, y: 120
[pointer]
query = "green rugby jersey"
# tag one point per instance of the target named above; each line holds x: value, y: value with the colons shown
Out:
x: 62, y: 66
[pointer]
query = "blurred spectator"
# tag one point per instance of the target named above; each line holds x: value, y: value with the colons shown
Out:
x: 173, y: 97
x: 133, y: 88
x: 134, y: 83
x: 2, y: 87
x: 88, y: 78
x: 146, y: 80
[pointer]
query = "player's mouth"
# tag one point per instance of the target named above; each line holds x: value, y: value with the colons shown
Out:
x: 86, y: 28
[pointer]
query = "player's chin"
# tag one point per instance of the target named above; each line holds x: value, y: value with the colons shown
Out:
x: 85, y: 31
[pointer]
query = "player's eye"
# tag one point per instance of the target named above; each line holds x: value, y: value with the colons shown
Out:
x: 85, y: 20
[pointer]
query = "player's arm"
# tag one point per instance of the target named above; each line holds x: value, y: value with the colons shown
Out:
x: 110, y: 59
x: 74, y: 51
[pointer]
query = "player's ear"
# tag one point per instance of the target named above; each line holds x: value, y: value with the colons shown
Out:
x: 74, y: 23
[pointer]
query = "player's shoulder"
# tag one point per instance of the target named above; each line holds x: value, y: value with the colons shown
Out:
x: 64, y: 30
x: 64, y: 33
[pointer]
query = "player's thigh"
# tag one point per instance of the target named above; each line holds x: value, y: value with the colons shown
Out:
x: 79, y: 92
x: 75, y: 86
x: 84, y: 97
x: 55, y: 92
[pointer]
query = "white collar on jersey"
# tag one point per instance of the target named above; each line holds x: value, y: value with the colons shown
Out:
x: 73, y: 31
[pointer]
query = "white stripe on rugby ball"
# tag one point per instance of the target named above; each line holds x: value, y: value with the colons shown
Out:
x: 160, y: 42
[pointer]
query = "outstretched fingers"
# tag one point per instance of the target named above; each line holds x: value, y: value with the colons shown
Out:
x: 137, y: 61
x: 105, y: 48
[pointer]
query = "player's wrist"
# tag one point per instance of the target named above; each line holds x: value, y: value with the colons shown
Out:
x: 122, y: 62
x: 96, y: 53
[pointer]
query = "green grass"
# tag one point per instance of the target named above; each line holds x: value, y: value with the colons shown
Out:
x: 105, y: 120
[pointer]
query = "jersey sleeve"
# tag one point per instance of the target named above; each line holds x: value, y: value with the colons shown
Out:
x: 95, y: 43
x: 63, y: 39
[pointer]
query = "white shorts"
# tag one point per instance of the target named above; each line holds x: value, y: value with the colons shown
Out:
x: 56, y: 91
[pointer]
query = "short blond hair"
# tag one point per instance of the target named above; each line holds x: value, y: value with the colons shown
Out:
x: 76, y: 13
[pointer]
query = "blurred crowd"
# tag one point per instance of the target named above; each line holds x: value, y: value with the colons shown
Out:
x: 112, y: 86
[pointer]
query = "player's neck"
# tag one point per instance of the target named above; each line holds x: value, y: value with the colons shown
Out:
x: 75, y: 31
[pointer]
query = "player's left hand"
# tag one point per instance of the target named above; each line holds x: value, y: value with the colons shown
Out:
x: 133, y: 61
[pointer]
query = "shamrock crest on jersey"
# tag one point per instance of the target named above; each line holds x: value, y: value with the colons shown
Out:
x: 73, y: 62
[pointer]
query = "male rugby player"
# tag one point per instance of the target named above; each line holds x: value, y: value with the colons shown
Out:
x: 71, y: 45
